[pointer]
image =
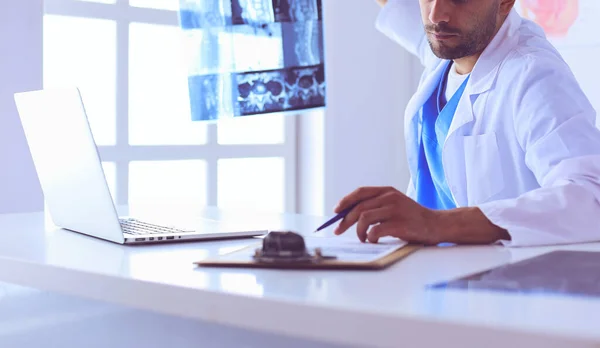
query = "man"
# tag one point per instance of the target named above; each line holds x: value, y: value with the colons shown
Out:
x: 501, y: 141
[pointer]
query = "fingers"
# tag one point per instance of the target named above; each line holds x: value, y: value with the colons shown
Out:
x: 366, y: 205
x: 372, y: 217
x: 379, y: 231
x: 354, y: 214
x: 360, y: 194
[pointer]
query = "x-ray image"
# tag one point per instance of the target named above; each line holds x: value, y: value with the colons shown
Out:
x: 275, y: 91
x: 297, y: 10
x: 212, y: 97
x: 302, y: 43
x: 252, y: 12
x: 257, y: 49
x: 249, y: 57
x: 194, y: 14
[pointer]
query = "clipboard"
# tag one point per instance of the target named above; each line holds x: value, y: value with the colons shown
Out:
x: 243, y: 258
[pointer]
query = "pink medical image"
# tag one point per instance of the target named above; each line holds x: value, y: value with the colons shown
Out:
x: 555, y: 16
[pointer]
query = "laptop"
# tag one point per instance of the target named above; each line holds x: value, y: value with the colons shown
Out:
x: 70, y: 172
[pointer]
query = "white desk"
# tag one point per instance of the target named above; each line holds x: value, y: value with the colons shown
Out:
x: 387, y: 308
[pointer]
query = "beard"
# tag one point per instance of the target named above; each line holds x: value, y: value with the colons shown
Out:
x: 469, y: 43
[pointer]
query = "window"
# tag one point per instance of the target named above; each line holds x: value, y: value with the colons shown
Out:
x: 126, y: 57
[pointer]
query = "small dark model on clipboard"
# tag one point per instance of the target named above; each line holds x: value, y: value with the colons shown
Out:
x: 290, y: 250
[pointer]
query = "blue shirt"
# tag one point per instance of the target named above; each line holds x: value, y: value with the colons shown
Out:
x: 431, y: 187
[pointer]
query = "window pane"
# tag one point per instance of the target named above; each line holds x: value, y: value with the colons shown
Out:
x: 263, y: 129
x: 172, y: 5
x: 82, y: 52
x: 159, y: 107
x: 167, y: 181
x: 257, y: 183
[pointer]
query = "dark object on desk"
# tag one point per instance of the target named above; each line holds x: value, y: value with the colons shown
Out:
x: 575, y: 273
x: 287, y: 246
x: 289, y: 250
x: 338, y: 217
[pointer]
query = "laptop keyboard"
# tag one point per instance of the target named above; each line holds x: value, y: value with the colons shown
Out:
x: 137, y: 227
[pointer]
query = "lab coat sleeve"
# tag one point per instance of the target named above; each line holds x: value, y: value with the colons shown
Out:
x: 400, y: 20
x: 555, y: 125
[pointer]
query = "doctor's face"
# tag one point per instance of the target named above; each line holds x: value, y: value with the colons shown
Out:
x: 460, y: 28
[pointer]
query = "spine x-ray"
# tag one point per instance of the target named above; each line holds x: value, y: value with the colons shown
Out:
x: 248, y: 57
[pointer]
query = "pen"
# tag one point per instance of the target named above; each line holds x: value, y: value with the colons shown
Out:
x: 338, y: 217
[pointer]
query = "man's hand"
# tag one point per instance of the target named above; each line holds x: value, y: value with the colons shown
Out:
x: 385, y: 211
x: 382, y: 2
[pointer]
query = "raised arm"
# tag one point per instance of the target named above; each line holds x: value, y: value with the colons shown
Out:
x: 400, y: 20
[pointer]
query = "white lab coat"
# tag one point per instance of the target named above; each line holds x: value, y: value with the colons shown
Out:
x: 523, y: 146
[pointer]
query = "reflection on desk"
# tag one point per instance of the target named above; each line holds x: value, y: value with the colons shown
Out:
x: 561, y: 272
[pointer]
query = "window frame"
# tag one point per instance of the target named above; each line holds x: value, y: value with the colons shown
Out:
x: 122, y: 153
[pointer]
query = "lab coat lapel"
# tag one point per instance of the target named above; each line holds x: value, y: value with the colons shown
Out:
x: 486, y: 69
x: 482, y: 79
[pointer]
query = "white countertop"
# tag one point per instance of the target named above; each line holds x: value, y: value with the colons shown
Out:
x: 374, y: 308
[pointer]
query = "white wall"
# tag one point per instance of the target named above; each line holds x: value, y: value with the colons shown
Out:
x: 20, y: 69
x: 310, y: 176
x: 369, y: 82
x: 359, y: 141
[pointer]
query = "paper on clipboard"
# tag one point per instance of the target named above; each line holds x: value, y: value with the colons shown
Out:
x: 353, y: 250
x: 349, y: 253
